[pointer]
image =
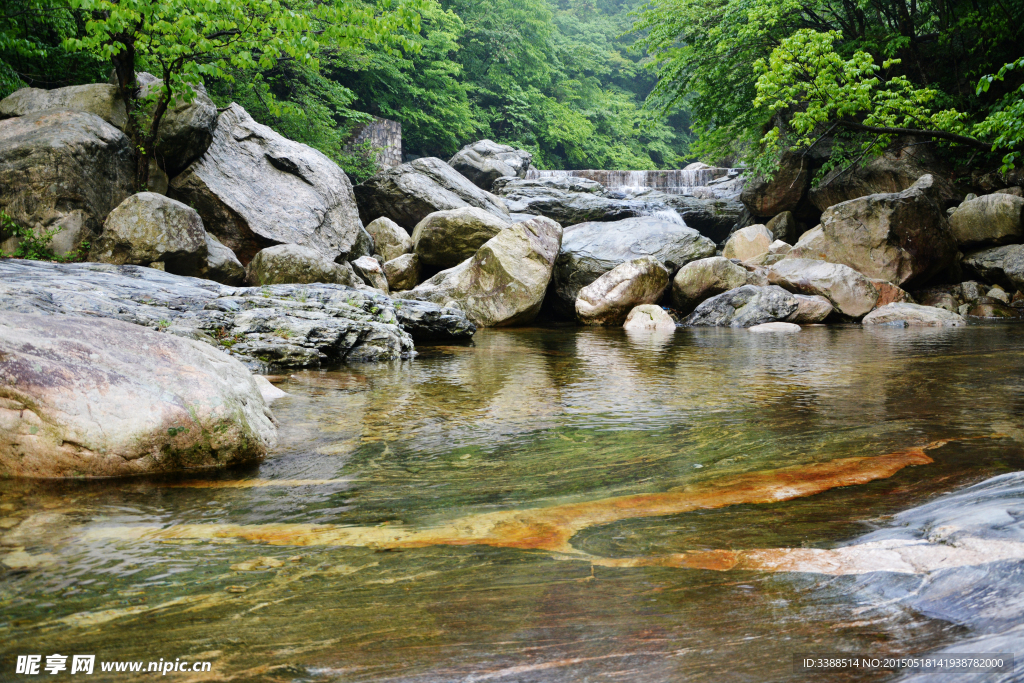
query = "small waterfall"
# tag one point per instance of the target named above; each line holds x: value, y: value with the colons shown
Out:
x: 678, y: 181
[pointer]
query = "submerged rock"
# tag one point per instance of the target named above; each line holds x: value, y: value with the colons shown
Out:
x: 649, y: 317
x: 485, y: 161
x: 744, y: 306
x: 775, y: 327
x: 255, y: 189
x: 276, y: 325
x: 589, y: 250
x: 150, y: 227
x: 86, y: 397
x: 608, y: 299
x: 409, y: 193
x: 63, y: 170
x: 447, y: 238
x: 293, y: 264
x: 912, y: 315
x: 505, y: 281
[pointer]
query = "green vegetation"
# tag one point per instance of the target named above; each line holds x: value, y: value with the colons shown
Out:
x: 36, y: 247
x: 761, y: 76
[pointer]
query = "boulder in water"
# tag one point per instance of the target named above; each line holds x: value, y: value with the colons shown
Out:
x: 852, y: 294
x: 704, y: 278
x: 589, y: 250
x: 62, y: 171
x: 86, y: 397
x: 649, y: 317
x: 485, y: 161
x: 912, y: 315
x: 784, y: 328
x: 810, y: 309
x: 409, y: 193
x: 255, y: 188
x: 609, y: 299
x: 428, y: 322
x: 390, y: 239
x: 447, y: 238
x: 744, y: 306
x: 505, y: 281
x: 150, y: 227
x: 294, y: 264
x: 991, y: 219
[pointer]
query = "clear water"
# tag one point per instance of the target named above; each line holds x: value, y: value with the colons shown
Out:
x: 519, y: 422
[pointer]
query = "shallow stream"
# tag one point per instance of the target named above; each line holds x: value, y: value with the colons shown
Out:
x: 485, y: 513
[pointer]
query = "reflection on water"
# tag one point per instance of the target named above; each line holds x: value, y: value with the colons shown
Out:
x: 570, y: 439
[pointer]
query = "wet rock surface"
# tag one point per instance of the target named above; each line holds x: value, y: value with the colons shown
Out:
x: 277, y: 325
x: 88, y: 397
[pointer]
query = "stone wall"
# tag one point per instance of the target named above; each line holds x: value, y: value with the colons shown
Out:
x: 385, y: 138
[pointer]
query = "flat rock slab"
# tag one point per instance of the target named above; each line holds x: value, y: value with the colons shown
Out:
x: 913, y: 315
x: 277, y: 325
x: 775, y: 327
x: 88, y: 397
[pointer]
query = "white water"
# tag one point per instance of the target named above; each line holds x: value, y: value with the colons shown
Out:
x: 677, y: 181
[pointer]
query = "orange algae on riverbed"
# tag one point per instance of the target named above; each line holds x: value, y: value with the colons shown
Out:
x: 552, y: 528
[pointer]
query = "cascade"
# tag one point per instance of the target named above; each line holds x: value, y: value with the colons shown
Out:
x: 677, y: 181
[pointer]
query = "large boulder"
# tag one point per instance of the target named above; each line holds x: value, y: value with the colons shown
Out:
x: 403, y: 272
x: 589, y: 250
x: 784, y: 227
x: 783, y: 192
x: 255, y: 188
x: 713, y: 217
x: 893, y: 172
x: 748, y: 243
x: 429, y: 322
x: 744, y: 306
x: 1003, y: 265
x: 63, y: 171
x: 991, y: 219
x: 295, y: 264
x: 390, y: 239
x: 810, y: 309
x: 485, y: 161
x: 187, y: 127
x: 569, y: 201
x: 704, y: 278
x: 649, y: 318
x: 447, y: 238
x: 409, y: 193
x: 852, y: 294
x: 369, y: 269
x: 912, y: 315
x: 101, y: 99
x: 274, y: 326
x: 903, y: 238
x: 84, y: 397
x: 150, y: 227
x: 221, y: 265
x: 609, y: 299
x: 505, y: 281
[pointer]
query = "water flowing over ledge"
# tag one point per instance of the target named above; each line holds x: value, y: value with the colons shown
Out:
x: 676, y: 181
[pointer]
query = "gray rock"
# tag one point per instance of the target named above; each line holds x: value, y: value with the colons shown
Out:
x: 100, y: 99
x: 609, y: 299
x: 748, y: 243
x: 186, y: 129
x: 428, y: 322
x: 389, y: 238
x: 403, y: 272
x: 991, y: 219
x: 569, y: 201
x: 715, y: 218
x: 369, y: 270
x: 485, y: 161
x: 852, y: 294
x: 650, y: 318
x: 783, y: 192
x: 1004, y: 265
x: 810, y: 309
x: 704, y: 278
x: 913, y: 315
x: 903, y: 238
x: 784, y: 227
x: 447, y: 238
x: 264, y: 327
x: 505, y: 281
x: 744, y: 306
x: 221, y: 264
x: 408, y: 193
x: 776, y: 328
x: 63, y: 170
x: 255, y: 188
x: 149, y: 227
x: 589, y: 250
x: 294, y: 264
x: 86, y: 397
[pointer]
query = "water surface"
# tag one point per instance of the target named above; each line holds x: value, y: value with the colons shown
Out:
x: 511, y: 428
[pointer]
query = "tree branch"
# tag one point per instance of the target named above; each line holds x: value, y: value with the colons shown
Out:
x: 941, y: 134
